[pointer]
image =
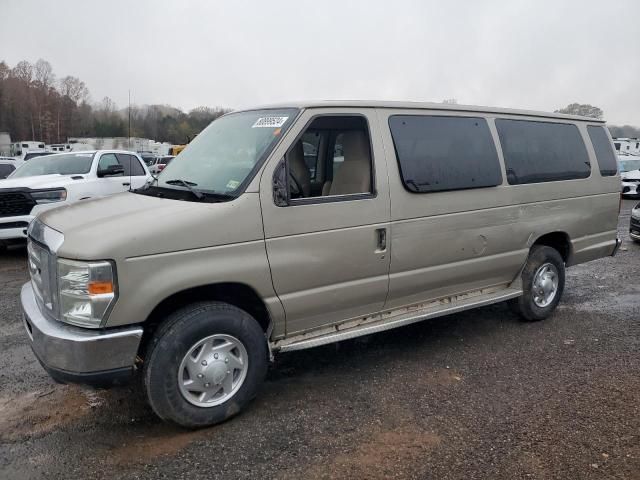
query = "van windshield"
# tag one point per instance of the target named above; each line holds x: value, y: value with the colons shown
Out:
x: 226, y: 153
x: 628, y: 165
x: 61, y: 164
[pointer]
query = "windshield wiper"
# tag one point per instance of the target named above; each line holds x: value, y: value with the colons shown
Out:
x: 189, y: 185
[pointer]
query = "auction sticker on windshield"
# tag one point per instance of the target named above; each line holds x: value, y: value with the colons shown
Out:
x: 270, y: 122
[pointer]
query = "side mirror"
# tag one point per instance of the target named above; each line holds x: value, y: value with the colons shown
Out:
x: 111, y: 171
x: 280, y: 191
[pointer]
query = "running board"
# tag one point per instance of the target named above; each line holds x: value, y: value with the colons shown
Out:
x: 395, y: 318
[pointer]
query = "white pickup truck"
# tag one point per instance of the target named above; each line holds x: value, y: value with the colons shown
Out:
x: 50, y: 181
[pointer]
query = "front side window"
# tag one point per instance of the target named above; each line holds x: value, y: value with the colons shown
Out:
x: 341, y: 145
x: 61, y: 164
x: 604, y: 153
x: 107, y: 160
x: 224, y: 157
x: 537, y: 152
x: 438, y: 153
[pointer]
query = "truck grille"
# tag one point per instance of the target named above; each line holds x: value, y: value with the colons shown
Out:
x: 13, y: 204
x: 42, y: 271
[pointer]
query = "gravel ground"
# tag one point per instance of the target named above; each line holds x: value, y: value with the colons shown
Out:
x: 473, y: 395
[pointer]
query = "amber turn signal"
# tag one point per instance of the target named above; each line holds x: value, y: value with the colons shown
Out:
x: 98, y: 288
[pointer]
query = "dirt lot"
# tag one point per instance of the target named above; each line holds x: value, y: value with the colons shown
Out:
x: 474, y: 395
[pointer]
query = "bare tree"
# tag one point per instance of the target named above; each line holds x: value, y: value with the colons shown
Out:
x: 43, y: 79
x: 4, y: 71
x: 23, y: 71
x: 43, y: 73
x: 107, y: 105
x: 74, y: 88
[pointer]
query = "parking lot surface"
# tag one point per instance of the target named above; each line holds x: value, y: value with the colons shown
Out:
x: 474, y: 395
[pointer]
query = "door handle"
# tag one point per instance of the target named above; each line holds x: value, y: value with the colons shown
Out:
x: 381, y: 235
x: 126, y: 184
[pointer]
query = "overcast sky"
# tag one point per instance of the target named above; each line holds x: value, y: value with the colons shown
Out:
x: 540, y: 54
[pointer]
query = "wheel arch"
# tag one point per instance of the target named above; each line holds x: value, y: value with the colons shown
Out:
x: 237, y: 294
x: 559, y: 241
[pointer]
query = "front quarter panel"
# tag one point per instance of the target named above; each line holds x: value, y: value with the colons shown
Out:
x: 200, y: 244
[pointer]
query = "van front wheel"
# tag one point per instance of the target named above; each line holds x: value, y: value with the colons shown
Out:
x: 204, y: 364
x: 542, y: 284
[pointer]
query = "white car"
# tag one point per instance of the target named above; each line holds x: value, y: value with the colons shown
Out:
x: 8, y: 165
x: 50, y: 181
x: 630, y: 174
x: 158, y: 165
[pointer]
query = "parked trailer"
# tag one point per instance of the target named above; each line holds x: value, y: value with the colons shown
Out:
x: 20, y: 149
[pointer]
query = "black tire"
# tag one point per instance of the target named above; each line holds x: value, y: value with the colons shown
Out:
x: 175, y: 337
x: 525, y: 305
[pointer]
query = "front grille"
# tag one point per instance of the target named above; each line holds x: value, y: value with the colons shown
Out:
x: 635, y: 224
x: 13, y: 204
x: 42, y: 270
x: 631, y: 180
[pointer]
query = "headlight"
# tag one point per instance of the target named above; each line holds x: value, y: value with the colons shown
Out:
x: 49, y: 196
x: 86, y: 292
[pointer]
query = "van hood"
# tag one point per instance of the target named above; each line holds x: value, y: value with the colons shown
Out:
x: 38, y: 181
x: 129, y: 225
x: 630, y: 175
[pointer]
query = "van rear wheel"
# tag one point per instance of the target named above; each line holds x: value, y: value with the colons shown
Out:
x: 205, y: 364
x: 542, y: 283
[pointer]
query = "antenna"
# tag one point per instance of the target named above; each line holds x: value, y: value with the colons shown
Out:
x: 129, y: 142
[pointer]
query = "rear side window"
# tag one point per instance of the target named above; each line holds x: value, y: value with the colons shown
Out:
x: 537, y: 152
x: 131, y: 165
x: 604, y: 153
x: 437, y: 153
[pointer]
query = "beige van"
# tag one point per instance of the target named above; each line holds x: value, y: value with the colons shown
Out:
x: 293, y: 226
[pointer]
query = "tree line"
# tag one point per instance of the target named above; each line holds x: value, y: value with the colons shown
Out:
x: 36, y: 105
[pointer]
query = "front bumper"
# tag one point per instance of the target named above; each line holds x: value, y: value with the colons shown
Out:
x: 79, y: 355
x: 14, y: 227
x: 630, y: 188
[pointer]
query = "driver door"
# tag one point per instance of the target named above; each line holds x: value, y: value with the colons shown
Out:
x: 327, y: 246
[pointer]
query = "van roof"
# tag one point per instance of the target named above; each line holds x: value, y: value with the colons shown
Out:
x: 425, y: 106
